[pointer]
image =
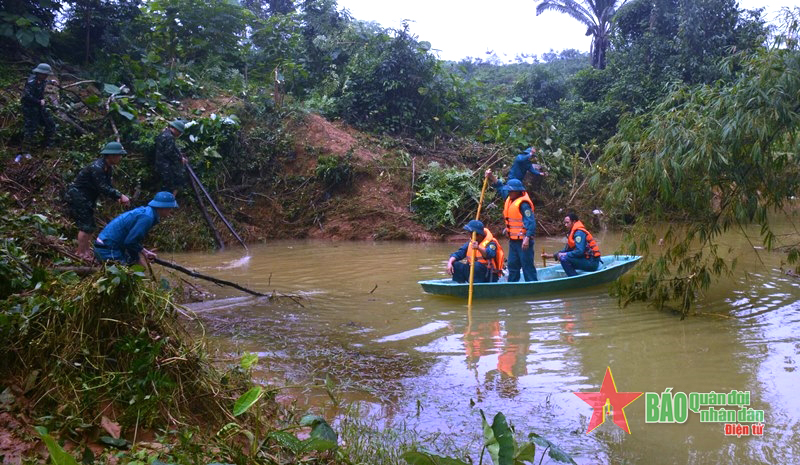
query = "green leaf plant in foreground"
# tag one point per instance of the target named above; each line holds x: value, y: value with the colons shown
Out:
x: 58, y: 456
x: 707, y: 160
x: 499, y: 441
x: 247, y: 400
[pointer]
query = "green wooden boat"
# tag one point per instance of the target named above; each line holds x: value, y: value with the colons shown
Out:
x: 551, y: 279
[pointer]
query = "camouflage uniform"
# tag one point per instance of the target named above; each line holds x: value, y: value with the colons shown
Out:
x: 33, y: 111
x: 81, y: 197
x: 169, y: 167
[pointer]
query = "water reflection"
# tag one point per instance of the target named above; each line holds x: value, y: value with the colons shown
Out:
x: 431, y: 363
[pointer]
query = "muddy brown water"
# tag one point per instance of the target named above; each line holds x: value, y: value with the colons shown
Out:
x: 427, y: 362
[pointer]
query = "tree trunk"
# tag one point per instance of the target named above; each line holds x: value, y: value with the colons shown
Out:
x: 88, y: 25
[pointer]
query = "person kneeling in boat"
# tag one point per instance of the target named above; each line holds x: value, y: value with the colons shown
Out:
x: 121, y: 239
x: 488, y: 254
x: 581, y: 252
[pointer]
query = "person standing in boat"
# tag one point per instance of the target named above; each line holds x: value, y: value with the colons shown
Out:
x: 581, y: 252
x: 525, y: 163
x: 520, y: 227
x: 488, y: 255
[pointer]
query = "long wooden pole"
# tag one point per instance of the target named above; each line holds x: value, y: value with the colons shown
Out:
x: 472, y: 250
x: 195, y: 274
x: 214, y: 205
x: 202, y: 205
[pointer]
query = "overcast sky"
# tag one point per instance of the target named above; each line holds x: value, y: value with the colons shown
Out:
x: 460, y: 28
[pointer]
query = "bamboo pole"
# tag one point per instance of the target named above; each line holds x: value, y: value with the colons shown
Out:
x: 202, y: 206
x: 214, y: 205
x: 472, y: 250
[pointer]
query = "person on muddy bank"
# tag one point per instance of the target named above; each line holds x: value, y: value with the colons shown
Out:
x: 488, y: 257
x: 169, y: 162
x: 581, y: 251
x: 524, y: 164
x: 34, y: 108
x: 520, y: 227
x: 81, y: 196
x: 121, y: 240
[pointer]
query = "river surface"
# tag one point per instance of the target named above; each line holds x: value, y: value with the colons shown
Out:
x: 430, y: 364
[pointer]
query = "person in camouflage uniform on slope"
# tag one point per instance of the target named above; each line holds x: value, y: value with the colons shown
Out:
x: 170, y: 163
x: 34, y: 111
x: 92, y: 181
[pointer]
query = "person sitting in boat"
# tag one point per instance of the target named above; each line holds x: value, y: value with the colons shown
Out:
x: 520, y: 227
x: 488, y: 256
x: 581, y: 252
x: 525, y: 163
x: 121, y: 239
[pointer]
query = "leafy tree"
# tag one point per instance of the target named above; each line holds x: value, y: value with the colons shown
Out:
x: 92, y: 25
x: 394, y: 85
x: 26, y: 23
x: 542, y: 88
x: 198, y: 30
x: 278, y: 45
x: 330, y: 37
x: 266, y: 8
x: 719, y: 157
x: 596, y: 15
x: 664, y: 41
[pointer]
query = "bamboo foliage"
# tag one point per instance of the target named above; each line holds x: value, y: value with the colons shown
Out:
x: 714, y: 157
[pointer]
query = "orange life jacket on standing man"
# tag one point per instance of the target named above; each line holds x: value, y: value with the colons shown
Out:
x: 592, y: 250
x: 496, y: 264
x: 513, y: 215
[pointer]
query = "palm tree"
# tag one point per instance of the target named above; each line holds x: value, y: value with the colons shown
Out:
x: 595, y: 14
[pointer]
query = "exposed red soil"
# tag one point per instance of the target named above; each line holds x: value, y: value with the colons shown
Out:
x: 375, y: 206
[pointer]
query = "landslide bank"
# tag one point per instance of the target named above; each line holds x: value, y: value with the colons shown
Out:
x: 107, y: 362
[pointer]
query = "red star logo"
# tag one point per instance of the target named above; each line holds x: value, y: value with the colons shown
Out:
x: 608, y: 401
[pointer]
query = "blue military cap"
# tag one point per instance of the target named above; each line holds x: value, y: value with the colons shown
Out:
x: 528, y: 150
x: 163, y: 200
x: 515, y: 185
x: 475, y: 226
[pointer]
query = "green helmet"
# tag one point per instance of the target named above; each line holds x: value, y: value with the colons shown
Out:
x: 178, y: 124
x: 113, y: 148
x: 43, y: 68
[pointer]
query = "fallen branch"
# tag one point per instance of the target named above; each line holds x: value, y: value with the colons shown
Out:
x: 195, y: 274
x: 78, y: 270
x: 65, y: 118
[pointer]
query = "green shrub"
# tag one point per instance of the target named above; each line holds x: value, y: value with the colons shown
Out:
x: 334, y: 171
x: 444, y: 196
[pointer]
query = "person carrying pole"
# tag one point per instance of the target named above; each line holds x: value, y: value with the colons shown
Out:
x: 169, y: 162
x: 121, y: 239
x: 484, y: 252
x: 34, y: 108
x: 520, y: 227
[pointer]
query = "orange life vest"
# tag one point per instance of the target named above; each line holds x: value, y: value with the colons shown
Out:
x: 592, y: 250
x: 513, y: 216
x: 496, y: 265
